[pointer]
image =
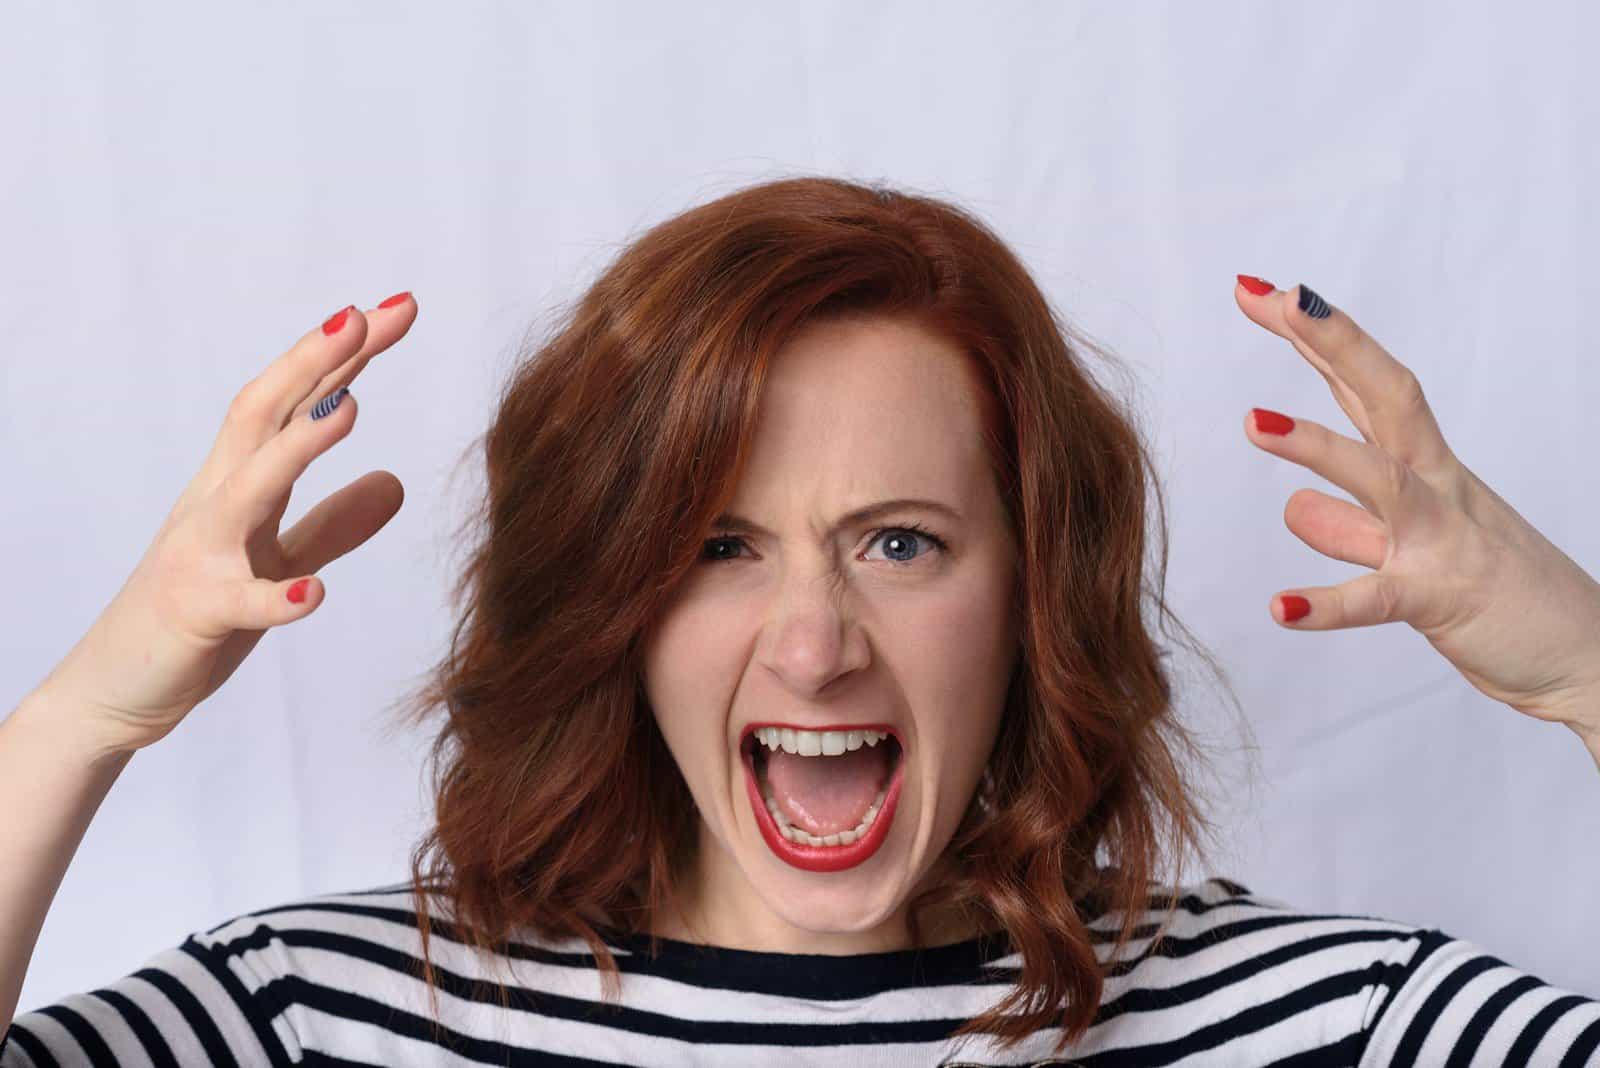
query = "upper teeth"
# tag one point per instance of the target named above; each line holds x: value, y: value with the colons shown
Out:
x: 816, y: 743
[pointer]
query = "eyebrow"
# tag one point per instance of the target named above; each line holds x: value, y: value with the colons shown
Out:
x: 740, y: 525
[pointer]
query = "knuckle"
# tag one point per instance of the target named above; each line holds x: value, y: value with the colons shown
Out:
x: 1396, y: 476
x: 232, y: 499
x: 237, y: 602
x: 1345, y: 331
x: 1387, y: 592
x: 1408, y: 388
x: 228, y: 489
x: 249, y: 402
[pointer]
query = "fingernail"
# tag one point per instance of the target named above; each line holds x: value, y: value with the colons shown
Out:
x: 335, y: 322
x: 398, y: 298
x: 1271, y: 422
x: 1259, y: 286
x: 1312, y: 304
x: 329, y: 403
x: 1294, y: 607
x: 297, y: 591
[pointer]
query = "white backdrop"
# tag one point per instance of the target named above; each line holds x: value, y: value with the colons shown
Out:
x: 189, y: 187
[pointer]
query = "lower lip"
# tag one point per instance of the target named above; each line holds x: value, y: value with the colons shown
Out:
x: 823, y: 858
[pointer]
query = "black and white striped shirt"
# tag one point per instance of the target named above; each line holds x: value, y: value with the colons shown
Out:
x: 1241, y: 980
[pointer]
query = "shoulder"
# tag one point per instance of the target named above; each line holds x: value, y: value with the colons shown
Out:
x: 1251, y: 975
x: 384, y: 912
x: 1219, y: 910
x: 295, y: 956
x: 314, y: 970
x: 248, y: 990
x: 346, y: 971
x: 295, y: 966
x: 335, y: 959
x: 1221, y: 927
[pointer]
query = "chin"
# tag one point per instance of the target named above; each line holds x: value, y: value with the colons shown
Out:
x: 826, y: 904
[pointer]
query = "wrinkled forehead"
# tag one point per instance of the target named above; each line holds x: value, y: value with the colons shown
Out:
x: 866, y: 408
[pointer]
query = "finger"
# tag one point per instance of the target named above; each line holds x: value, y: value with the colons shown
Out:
x: 258, y: 410
x: 1364, y: 601
x: 1331, y: 526
x: 341, y: 522
x: 256, y: 604
x: 1268, y: 312
x: 253, y: 415
x: 1366, y: 472
x: 1399, y: 416
x: 255, y: 490
x: 385, y: 326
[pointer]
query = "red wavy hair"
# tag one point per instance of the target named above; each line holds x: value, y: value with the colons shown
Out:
x: 616, y: 442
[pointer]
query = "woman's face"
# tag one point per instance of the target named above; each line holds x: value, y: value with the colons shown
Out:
x: 807, y: 624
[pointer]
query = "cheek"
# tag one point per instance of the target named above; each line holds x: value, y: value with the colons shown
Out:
x: 963, y: 637
x: 688, y: 662
x: 957, y: 663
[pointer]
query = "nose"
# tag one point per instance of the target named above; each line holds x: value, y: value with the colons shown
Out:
x: 813, y: 637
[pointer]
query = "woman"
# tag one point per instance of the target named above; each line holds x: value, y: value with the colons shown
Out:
x: 803, y: 708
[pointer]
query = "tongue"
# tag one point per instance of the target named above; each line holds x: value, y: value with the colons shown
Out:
x: 827, y: 794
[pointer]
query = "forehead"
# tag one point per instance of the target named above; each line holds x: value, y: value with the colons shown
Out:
x: 870, y: 406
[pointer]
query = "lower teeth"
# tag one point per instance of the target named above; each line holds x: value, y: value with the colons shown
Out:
x: 802, y: 837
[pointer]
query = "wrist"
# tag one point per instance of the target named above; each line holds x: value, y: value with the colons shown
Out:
x: 56, y: 724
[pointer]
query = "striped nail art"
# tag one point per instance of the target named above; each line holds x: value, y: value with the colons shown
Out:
x: 1312, y: 304
x: 329, y: 403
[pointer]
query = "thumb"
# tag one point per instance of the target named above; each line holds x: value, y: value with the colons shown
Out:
x: 262, y: 603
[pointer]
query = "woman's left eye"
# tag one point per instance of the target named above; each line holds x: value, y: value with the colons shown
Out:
x: 913, y: 530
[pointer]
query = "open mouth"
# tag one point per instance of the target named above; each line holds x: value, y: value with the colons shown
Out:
x: 823, y: 800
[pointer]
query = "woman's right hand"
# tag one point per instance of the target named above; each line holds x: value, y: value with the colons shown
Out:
x: 218, y: 573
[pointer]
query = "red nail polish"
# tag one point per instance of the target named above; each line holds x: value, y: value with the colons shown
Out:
x: 335, y: 322
x: 1271, y: 422
x: 297, y: 591
x: 1294, y: 607
x: 1260, y: 287
x: 398, y: 298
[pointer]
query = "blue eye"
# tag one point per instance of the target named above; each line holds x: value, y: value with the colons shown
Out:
x: 915, y: 530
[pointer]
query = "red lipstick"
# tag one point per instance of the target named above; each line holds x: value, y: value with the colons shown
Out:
x: 823, y: 858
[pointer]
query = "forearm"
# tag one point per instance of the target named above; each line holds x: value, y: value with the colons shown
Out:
x: 52, y: 781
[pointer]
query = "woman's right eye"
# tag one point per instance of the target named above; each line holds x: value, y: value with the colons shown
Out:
x: 714, y: 559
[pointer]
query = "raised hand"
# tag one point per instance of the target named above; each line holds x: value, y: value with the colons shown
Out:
x: 1514, y: 614
x: 218, y: 573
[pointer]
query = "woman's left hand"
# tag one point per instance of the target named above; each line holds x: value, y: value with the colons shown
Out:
x: 1514, y: 614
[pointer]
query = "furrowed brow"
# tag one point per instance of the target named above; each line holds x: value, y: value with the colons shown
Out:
x: 736, y: 524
